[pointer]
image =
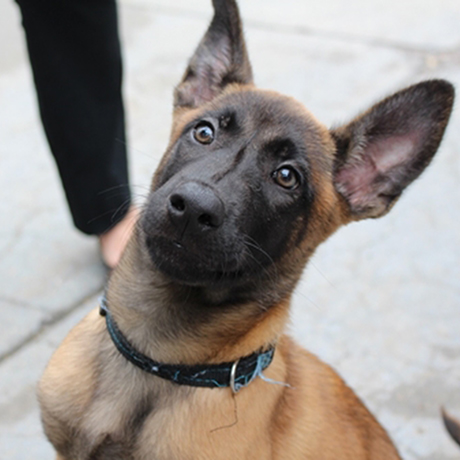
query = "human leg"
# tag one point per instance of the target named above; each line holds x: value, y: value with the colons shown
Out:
x: 75, y: 55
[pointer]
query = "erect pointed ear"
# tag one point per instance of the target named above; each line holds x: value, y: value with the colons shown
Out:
x: 220, y: 59
x: 382, y: 151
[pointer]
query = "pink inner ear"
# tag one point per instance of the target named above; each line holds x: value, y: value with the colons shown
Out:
x: 393, y: 151
x: 376, y: 169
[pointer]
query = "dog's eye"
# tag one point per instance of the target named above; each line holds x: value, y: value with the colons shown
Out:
x: 287, y: 177
x: 203, y: 132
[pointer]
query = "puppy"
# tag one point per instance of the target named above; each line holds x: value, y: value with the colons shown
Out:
x: 189, y: 359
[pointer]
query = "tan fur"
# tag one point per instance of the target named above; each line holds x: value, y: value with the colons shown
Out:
x: 263, y: 421
x: 96, y: 405
x: 90, y: 392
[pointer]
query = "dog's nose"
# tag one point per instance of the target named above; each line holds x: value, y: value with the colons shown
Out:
x: 195, y: 208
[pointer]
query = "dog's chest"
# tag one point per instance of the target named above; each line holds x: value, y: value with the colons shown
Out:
x: 201, y: 424
x: 112, y: 424
x: 206, y: 424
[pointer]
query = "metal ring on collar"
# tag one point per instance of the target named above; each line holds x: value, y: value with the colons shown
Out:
x: 233, y: 375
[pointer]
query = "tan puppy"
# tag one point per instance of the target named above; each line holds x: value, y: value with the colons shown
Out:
x: 250, y: 184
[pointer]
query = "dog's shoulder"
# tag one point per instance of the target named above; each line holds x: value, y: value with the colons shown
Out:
x: 72, y: 369
x: 327, y: 410
x: 68, y: 384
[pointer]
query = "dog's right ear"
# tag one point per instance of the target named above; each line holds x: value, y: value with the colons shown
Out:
x: 220, y: 59
x: 382, y: 151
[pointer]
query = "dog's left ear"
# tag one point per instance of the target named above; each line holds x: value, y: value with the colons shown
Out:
x: 220, y: 59
x: 382, y: 151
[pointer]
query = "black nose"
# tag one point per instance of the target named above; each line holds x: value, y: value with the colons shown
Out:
x: 194, y: 207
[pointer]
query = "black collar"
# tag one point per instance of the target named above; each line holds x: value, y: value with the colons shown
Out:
x: 235, y: 375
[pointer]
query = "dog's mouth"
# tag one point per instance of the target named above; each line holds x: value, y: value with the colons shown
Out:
x: 191, y: 266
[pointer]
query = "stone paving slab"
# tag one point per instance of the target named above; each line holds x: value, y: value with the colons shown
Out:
x: 431, y: 24
x: 21, y: 434
x: 18, y: 324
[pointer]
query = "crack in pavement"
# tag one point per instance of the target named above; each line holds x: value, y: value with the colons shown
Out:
x: 47, y: 323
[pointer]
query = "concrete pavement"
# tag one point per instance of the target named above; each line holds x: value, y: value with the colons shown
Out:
x: 381, y: 299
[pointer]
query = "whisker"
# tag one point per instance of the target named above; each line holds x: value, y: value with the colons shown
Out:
x: 298, y: 292
x: 133, y: 149
x: 309, y: 300
x: 251, y: 243
x: 121, y: 208
x: 264, y: 270
x: 321, y: 273
x: 111, y: 189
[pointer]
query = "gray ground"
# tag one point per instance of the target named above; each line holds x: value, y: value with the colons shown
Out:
x: 381, y: 299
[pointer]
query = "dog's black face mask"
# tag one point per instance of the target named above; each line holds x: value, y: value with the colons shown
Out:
x: 233, y: 193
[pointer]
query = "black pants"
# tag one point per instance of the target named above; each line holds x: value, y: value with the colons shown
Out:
x: 74, y: 51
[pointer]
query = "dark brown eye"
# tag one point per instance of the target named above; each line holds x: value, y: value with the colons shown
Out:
x: 287, y: 177
x: 204, y: 133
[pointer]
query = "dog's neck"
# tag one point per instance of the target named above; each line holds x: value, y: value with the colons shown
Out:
x: 169, y: 323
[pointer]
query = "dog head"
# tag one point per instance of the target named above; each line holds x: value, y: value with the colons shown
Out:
x: 251, y: 182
